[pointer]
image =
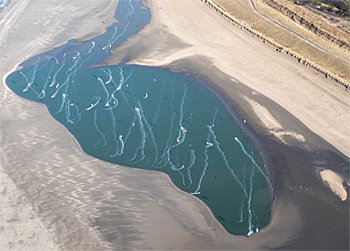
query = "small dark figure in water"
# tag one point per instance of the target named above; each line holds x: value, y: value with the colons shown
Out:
x: 222, y: 219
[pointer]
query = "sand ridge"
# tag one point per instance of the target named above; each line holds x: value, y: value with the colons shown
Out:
x: 271, y: 123
x: 335, y: 182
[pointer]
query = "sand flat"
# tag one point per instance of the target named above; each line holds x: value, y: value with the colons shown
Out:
x: 85, y: 203
x: 319, y: 103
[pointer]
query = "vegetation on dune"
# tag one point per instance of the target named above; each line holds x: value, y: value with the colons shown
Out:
x: 338, y: 7
x: 310, y: 25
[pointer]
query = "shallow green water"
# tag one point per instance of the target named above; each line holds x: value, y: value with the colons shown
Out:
x: 151, y: 118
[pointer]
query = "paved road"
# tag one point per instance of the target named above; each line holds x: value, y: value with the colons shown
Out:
x: 296, y: 33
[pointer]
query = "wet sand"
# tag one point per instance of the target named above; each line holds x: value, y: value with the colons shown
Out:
x: 78, y: 202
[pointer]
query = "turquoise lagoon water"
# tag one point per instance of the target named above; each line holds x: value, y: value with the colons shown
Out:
x: 152, y: 118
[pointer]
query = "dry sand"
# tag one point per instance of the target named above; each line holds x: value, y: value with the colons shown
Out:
x: 335, y: 182
x: 271, y: 123
x: 78, y: 202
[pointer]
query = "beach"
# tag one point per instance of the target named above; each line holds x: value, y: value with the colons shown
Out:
x: 74, y: 201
